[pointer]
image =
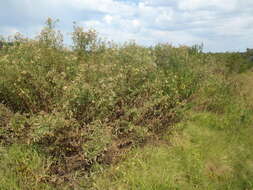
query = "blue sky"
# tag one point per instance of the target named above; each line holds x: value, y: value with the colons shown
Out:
x: 221, y: 25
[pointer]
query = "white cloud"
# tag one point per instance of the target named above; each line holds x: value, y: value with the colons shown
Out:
x: 108, y: 19
x: 236, y: 26
x: 227, y: 5
x: 136, y: 23
x: 216, y: 23
x: 104, y: 6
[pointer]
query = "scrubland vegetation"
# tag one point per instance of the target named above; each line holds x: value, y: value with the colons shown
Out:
x: 109, y: 116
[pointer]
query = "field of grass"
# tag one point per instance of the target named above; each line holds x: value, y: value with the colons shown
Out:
x: 198, y: 157
x: 107, y: 116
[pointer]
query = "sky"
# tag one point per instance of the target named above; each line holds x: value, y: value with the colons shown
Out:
x: 221, y: 25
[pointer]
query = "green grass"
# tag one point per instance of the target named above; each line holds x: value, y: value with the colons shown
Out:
x: 200, y: 157
x: 22, y: 167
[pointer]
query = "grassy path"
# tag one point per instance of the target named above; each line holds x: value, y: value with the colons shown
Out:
x: 208, y: 151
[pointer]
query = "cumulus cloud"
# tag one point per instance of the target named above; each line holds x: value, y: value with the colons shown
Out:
x: 222, y: 25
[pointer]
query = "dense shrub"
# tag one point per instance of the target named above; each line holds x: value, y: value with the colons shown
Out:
x: 81, y: 107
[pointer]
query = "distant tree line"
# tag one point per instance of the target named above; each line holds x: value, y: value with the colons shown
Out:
x: 249, y: 53
x: 250, y: 50
x: 2, y: 44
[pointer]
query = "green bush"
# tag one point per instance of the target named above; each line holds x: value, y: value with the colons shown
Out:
x: 85, y: 107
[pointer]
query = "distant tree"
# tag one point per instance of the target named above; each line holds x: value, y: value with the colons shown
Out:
x: 5, y: 44
x: 249, y: 54
x: 84, y: 41
x: 249, y: 51
x: 49, y: 36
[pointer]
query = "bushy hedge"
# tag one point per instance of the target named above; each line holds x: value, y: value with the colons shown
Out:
x: 84, y: 106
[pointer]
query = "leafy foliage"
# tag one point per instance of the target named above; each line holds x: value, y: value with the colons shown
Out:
x: 70, y: 111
